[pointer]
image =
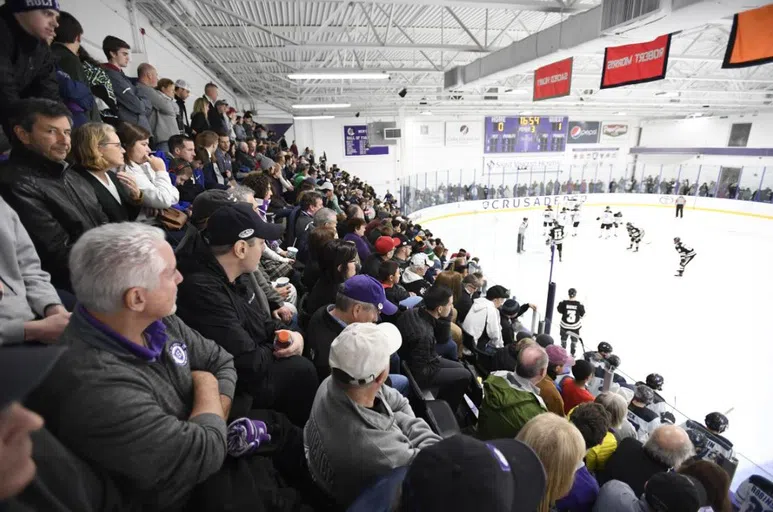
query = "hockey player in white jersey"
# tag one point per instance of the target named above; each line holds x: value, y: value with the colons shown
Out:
x: 643, y: 419
x: 686, y: 255
x: 563, y: 217
x: 636, y: 235
x: 575, y: 215
x: 547, y: 220
x: 618, y: 221
x: 607, y: 220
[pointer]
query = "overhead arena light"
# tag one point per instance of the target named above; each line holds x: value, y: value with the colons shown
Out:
x: 322, y: 105
x: 299, y: 118
x: 340, y: 75
x: 621, y: 113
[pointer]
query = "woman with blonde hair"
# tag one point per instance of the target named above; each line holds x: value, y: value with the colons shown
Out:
x: 98, y: 156
x: 560, y: 447
x: 199, y: 122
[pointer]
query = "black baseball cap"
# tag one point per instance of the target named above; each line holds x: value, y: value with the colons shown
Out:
x: 463, y: 473
x: 404, y: 242
x: 22, y: 368
x: 497, y: 292
x: 208, y: 201
x: 229, y: 224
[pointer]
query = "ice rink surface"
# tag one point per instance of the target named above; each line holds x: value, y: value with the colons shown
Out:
x: 709, y: 333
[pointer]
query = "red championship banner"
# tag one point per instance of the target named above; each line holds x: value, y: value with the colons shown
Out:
x: 751, y: 40
x: 553, y: 80
x: 635, y: 63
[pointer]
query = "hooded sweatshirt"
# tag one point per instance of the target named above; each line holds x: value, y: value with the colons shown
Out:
x: 348, y: 446
x: 27, y: 289
x: 483, y: 318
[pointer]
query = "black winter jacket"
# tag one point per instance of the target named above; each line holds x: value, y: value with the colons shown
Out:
x: 225, y: 312
x: 126, y: 210
x: 27, y: 68
x: 321, y: 332
x: 55, y: 204
x: 420, y: 333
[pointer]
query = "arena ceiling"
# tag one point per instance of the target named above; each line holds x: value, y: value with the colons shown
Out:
x: 255, y: 45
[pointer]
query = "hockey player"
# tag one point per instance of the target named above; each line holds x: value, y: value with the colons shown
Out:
x: 635, y: 234
x: 643, y: 419
x: 686, y: 255
x: 547, y: 220
x: 557, y: 239
x: 716, y: 422
x: 575, y: 214
x: 572, y: 312
x: 563, y: 217
x: 755, y: 494
x: 607, y: 219
x: 597, y: 357
x: 655, y: 381
x: 618, y: 221
x: 716, y: 448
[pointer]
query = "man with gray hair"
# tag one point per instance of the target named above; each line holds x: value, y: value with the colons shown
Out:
x: 139, y: 395
x: 633, y: 463
x: 511, y: 399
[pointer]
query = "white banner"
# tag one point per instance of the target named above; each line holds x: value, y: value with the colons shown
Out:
x: 615, y: 133
x: 464, y: 133
x: 428, y: 134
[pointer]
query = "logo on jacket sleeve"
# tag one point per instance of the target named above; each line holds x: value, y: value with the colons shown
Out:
x: 179, y: 353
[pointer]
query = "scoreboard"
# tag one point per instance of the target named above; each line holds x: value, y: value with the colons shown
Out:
x: 525, y: 134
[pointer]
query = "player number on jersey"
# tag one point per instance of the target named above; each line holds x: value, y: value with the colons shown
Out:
x: 571, y: 317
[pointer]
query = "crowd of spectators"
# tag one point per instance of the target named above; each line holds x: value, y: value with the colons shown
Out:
x: 197, y: 316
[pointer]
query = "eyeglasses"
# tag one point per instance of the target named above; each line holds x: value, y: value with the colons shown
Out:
x: 117, y: 144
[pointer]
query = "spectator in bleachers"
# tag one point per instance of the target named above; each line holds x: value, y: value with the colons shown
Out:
x: 245, y: 163
x: 470, y: 285
x: 598, y: 455
x: 217, y: 117
x: 239, y: 133
x: 715, y: 481
x: 217, y: 299
x: 96, y: 151
x: 160, y: 432
x: 592, y: 420
x: 560, y: 447
x: 26, y: 63
x: 181, y: 93
x: 149, y: 171
x: 360, y: 429
x: 383, y: 250
x: 413, y: 276
x: 621, y: 428
x: 317, y: 240
x: 573, y: 390
x: 132, y: 107
x: 403, y: 252
x: 360, y: 299
x: 424, y: 329
x: 664, y: 491
x: 163, y: 119
x: 558, y: 360
x: 389, y: 275
x: 331, y: 200
x: 299, y: 221
x: 337, y: 263
x: 633, y: 463
x: 183, y: 151
x: 214, y: 176
x: 643, y: 419
x: 55, y: 204
x: 482, y: 321
x: 511, y: 398
x: 461, y: 473
x: 65, y: 48
x: 30, y: 309
x: 356, y: 234
x: 222, y: 156
x: 200, y: 119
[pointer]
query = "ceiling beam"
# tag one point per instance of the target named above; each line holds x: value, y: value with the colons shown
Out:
x: 346, y: 45
x: 517, y: 5
x: 248, y: 21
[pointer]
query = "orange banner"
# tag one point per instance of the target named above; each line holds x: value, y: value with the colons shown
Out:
x: 751, y: 40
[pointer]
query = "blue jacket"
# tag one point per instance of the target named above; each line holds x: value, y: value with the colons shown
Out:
x: 77, y: 96
x: 210, y: 177
x: 581, y: 498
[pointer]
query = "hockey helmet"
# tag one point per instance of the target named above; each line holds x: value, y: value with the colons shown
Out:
x: 717, y: 422
x: 697, y: 438
x: 605, y: 348
x: 644, y: 394
x: 613, y: 362
x: 608, y: 208
x: 628, y: 225
x: 655, y: 381
x: 572, y: 292
x: 677, y: 240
